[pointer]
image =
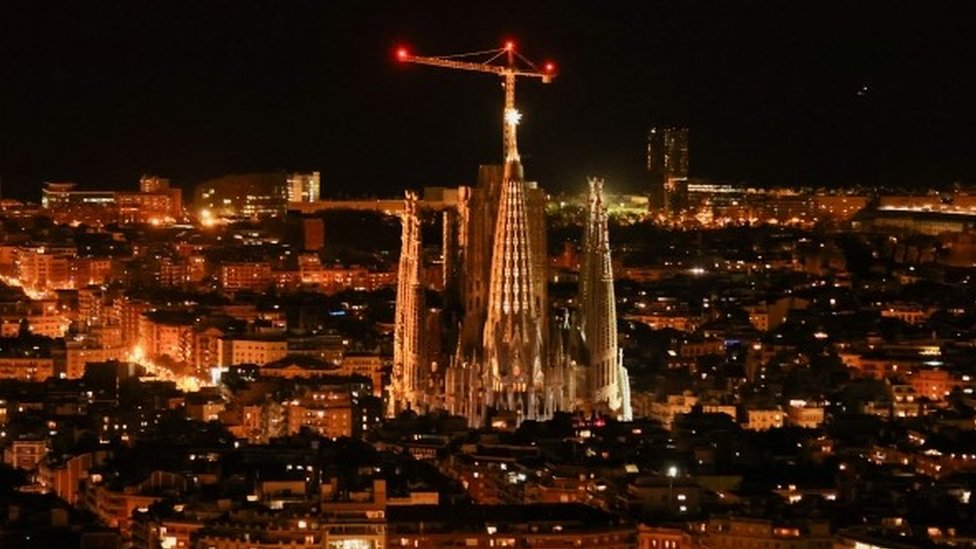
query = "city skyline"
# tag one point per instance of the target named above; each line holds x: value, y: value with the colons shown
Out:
x: 826, y: 95
x: 676, y: 359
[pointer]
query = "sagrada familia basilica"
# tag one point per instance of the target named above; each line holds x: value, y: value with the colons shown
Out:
x: 515, y: 357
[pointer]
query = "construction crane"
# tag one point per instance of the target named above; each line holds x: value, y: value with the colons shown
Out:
x: 487, y: 61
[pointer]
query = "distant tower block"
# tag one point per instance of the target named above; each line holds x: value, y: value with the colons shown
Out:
x: 153, y: 184
x: 303, y: 187
x: 667, y: 159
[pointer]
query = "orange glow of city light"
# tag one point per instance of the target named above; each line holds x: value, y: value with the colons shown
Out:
x: 207, y: 218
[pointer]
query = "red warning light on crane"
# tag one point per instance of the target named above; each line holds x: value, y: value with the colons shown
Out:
x: 402, y: 53
x: 510, y: 45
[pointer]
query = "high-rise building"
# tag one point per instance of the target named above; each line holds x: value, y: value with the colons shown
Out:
x: 158, y: 193
x: 255, y: 195
x: 68, y: 205
x: 153, y: 184
x: 675, y: 195
x: 252, y: 195
x: 667, y: 160
x: 156, y: 202
x: 607, y: 380
x: 304, y: 187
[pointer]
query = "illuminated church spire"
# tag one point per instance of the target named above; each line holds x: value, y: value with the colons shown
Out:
x: 408, y: 340
x: 501, y: 364
x: 607, y: 377
x: 513, y: 342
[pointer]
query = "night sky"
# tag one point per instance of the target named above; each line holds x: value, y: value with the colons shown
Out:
x: 784, y: 92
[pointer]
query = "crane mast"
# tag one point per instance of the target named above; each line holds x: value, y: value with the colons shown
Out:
x: 508, y: 72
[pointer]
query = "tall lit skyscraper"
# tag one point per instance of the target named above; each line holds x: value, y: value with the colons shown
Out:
x: 667, y: 166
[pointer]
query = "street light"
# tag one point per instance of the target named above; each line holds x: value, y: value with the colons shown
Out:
x: 672, y: 473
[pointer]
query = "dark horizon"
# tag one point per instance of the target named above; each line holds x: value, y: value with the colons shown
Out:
x: 822, y: 94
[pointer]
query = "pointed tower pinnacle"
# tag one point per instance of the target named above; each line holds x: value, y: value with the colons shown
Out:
x: 608, y: 380
x: 512, y: 335
x: 513, y: 343
x: 408, y: 342
x: 511, y: 119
